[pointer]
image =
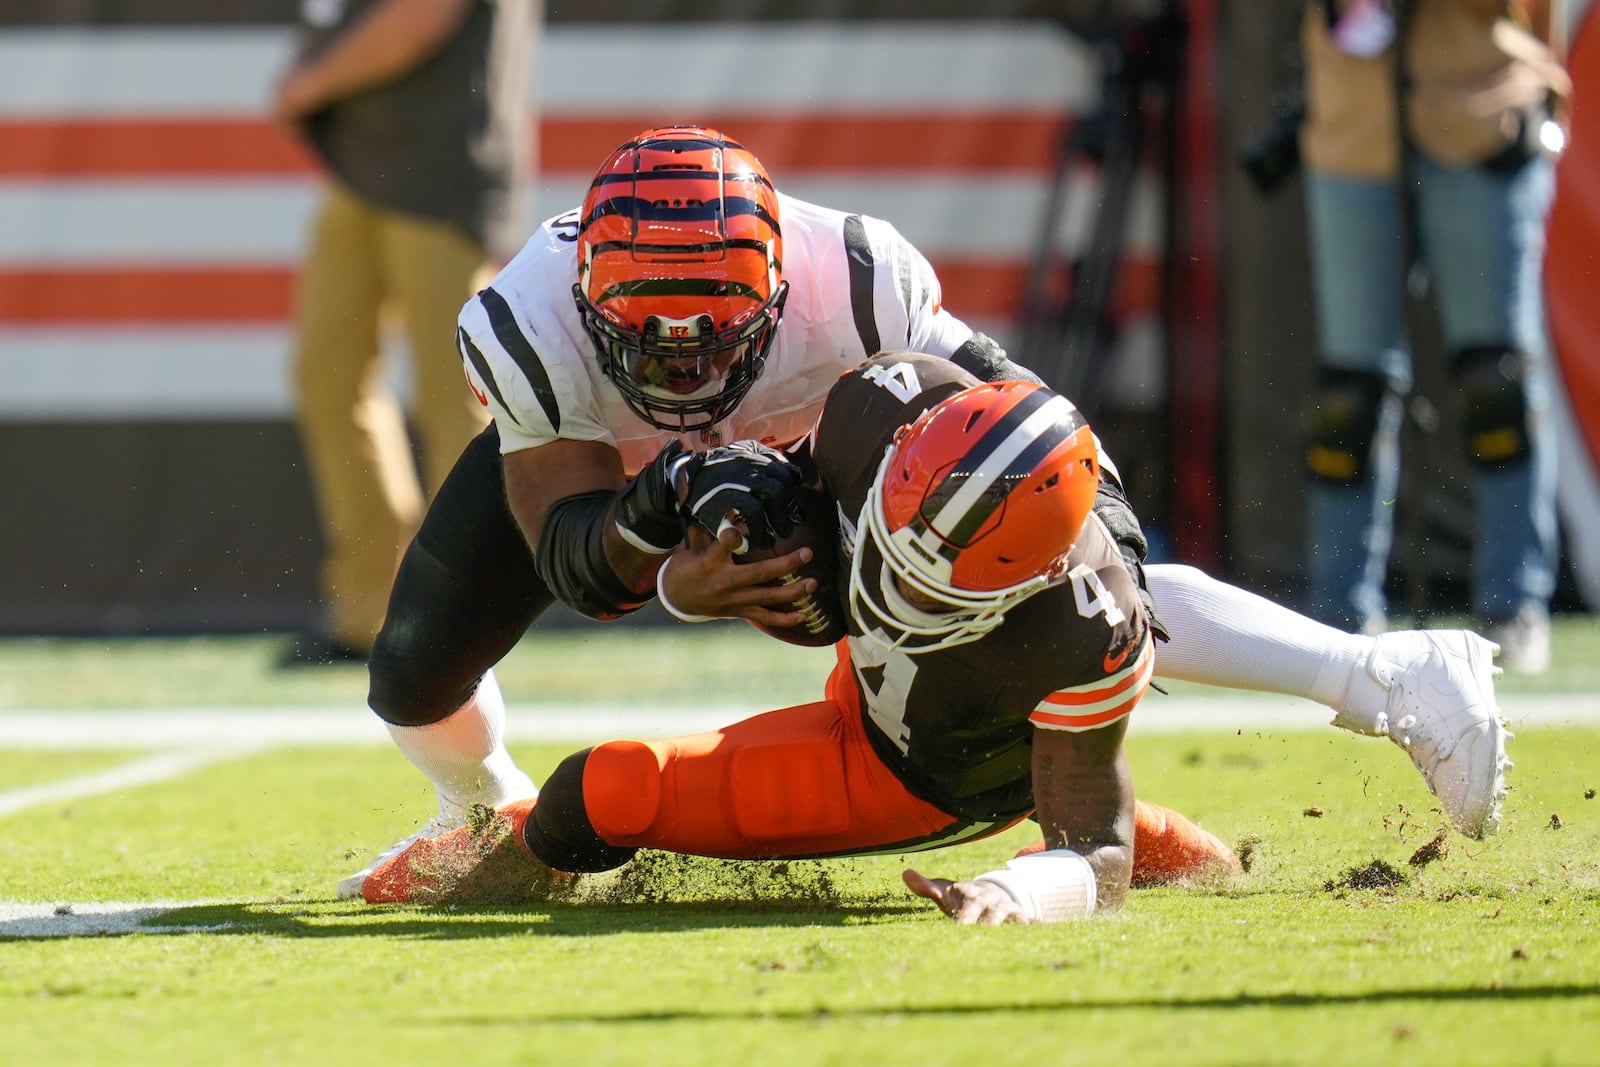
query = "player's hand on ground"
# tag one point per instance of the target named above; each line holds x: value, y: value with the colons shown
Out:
x: 703, y: 578
x: 968, y: 903
x: 745, y: 484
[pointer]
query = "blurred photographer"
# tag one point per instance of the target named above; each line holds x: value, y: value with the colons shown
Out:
x: 1428, y: 144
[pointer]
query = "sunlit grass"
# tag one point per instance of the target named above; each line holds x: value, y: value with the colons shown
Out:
x: 1487, y: 954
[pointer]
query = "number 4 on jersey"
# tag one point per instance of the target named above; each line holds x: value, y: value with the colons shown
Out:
x: 1092, y: 596
x: 899, y: 378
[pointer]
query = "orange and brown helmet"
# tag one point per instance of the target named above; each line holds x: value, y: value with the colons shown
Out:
x: 975, y: 508
x: 680, y: 257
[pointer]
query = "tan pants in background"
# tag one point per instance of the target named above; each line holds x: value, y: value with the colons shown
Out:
x: 363, y: 264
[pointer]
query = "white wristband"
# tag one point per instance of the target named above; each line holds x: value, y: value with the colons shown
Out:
x: 661, y: 595
x: 1048, y: 886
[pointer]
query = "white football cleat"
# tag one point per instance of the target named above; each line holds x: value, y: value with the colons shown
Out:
x: 350, y: 885
x: 1432, y: 693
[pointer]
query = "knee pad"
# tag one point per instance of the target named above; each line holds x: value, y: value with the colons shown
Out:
x: 440, y: 636
x: 465, y: 593
x: 559, y: 831
x: 1494, y: 404
x: 1348, y: 408
x: 790, y: 790
x: 736, y: 795
x: 413, y: 678
x: 404, y: 693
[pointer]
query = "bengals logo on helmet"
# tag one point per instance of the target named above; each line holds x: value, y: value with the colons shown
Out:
x: 680, y: 257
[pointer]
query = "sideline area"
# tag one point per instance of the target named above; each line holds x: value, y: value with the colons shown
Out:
x: 254, y: 727
x: 180, y: 740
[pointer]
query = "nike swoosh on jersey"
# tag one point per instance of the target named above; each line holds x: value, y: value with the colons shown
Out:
x: 1097, y: 703
x: 1114, y: 663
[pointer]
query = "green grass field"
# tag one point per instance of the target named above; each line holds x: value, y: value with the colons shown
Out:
x: 234, y: 951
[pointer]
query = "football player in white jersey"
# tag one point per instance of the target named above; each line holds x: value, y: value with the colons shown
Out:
x: 688, y: 304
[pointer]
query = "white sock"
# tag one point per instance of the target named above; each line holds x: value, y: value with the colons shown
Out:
x: 1227, y: 637
x: 464, y: 754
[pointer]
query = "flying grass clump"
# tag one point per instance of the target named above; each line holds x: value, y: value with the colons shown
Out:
x: 1378, y: 875
x: 1248, y: 849
x: 1431, y: 852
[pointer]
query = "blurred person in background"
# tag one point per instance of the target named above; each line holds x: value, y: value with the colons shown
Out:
x: 417, y: 111
x: 1454, y: 173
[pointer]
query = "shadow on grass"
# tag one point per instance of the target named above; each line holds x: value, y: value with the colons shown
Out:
x: 330, y: 920
x: 767, y: 1013
x: 656, y: 892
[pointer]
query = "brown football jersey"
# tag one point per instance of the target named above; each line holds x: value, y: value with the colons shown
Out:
x: 958, y: 723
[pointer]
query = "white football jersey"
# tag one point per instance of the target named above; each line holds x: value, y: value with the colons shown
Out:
x: 856, y: 287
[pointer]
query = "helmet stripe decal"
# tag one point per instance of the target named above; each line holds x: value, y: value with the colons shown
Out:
x: 603, y: 247
x: 522, y: 353
x: 971, y: 491
x: 858, y: 252
x: 603, y: 180
x: 680, y: 287
x: 649, y: 210
x: 646, y: 210
x: 682, y: 143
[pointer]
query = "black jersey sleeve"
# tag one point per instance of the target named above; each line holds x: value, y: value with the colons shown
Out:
x: 865, y: 408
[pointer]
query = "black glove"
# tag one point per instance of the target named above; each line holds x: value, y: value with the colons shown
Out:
x: 749, y: 481
x: 647, y: 510
x: 1116, y: 512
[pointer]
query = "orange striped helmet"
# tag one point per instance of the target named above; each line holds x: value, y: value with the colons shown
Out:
x: 975, y: 508
x: 679, y: 263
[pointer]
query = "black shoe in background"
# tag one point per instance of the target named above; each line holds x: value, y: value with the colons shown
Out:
x: 318, y: 650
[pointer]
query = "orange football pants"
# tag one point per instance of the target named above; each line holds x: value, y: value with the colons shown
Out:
x: 805, y: 782
x: 794, y: 783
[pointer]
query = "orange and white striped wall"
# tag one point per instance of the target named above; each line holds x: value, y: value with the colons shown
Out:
x: 151, y: 219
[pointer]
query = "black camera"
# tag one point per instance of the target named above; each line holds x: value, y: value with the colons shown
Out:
x: 1274, y: 157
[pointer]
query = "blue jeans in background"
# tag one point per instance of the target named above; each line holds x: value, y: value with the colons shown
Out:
x: 1481, y: 236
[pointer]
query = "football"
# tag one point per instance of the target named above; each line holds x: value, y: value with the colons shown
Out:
x: 816, y: 528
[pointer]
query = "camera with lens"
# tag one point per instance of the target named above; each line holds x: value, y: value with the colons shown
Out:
x: 1274, y: 157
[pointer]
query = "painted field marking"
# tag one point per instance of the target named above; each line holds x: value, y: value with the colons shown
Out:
x: 191, y: 738
x: 103, y: 917
x: 143, y: 771
x: 344, y: 724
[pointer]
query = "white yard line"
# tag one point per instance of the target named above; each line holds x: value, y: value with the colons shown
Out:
x: 211, y: 727
x: 188, y: 739
x: 82, y: 920
x: 335, y: 725
x: 144, y: 771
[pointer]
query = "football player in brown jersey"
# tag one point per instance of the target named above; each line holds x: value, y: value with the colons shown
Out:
x: 689, y: 303
x: 997, y: 645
